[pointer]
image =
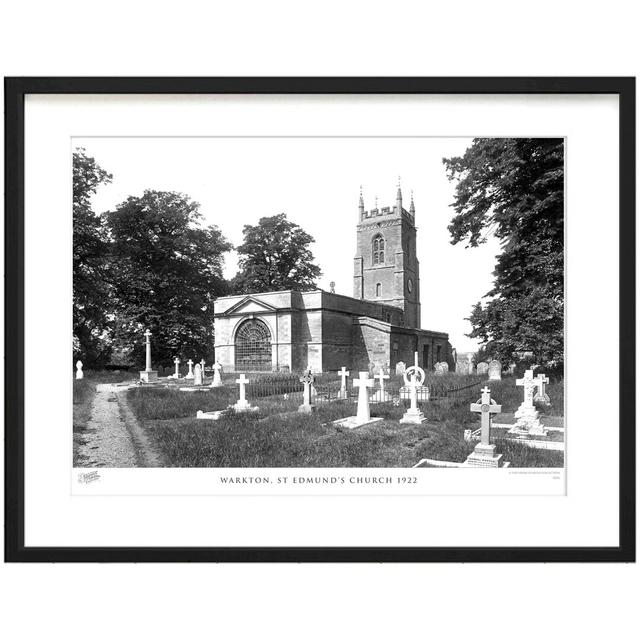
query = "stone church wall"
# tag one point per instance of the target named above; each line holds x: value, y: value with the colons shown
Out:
x: 371, y: 344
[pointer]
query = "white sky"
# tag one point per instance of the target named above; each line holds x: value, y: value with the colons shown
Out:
x: 315, y: 181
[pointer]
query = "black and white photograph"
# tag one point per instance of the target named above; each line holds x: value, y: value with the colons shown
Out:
x: 361, y: 317
x: 320, y: 321
x: 318, y: 302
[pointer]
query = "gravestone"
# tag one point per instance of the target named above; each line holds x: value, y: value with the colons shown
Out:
x: 189, y: 375
x: 441, y: 368
x: 484, y: 454
x: 176, y: 361
x: 462, y: 367
x: 400, y: 368
x: 541, y: 397
x: 343, y: 373
x: 204, y: 375
x: 363, y: 415
x: 421, y: 392
x: 217, y: 380
x: 482, y: 368
x: 148, y: 375
x: 79, y: 372
x: 495, y: 370
x: 414, y: 377
x: 242, y: 405
x: 307, y: 379
x: 527, y: 416
x: 197, y: 376
x: 381, y: 395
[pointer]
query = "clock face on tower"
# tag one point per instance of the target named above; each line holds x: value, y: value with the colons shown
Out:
x: 410, y: 285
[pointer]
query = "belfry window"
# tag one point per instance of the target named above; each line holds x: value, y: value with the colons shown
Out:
x: 378, y: 290
x: 378, y: 250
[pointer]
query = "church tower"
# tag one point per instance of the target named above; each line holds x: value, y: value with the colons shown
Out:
x: 386, y: 267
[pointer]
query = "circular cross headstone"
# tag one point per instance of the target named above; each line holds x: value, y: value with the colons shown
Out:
x: 307, y: 378
x: 412, y: 372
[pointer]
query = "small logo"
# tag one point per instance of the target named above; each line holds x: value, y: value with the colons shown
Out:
x: 89, y: 476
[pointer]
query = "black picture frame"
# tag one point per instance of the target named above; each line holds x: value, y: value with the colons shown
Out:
x: 15, y: 91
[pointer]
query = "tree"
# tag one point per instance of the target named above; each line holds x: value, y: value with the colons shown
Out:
x: 167, y: 273
x: 275, y: 256
x: 90, y: 263
x: 514, y: 188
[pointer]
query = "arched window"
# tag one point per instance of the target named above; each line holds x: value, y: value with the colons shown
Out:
x: 378, y: 250
x: 378, y: 290
x: 253, y: 346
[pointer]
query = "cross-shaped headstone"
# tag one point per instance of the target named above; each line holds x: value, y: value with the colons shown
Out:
x: 190, y: 372
x: 176, y: 361
x: 363, y: 383
x: 413, y: 378
x: 529, y: 384
x: 486, y: 407
x: 307, y: 379
x: 147, y: 335
x: 381, y: 378
x: 242, y: 381
x: 542, y: 381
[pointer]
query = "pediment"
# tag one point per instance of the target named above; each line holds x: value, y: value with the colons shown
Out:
x: 250, y: 305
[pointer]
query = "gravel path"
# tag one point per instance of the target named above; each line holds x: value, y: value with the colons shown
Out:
x: 113, y: 437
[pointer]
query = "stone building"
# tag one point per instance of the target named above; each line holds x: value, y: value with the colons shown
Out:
x: 379, y: 326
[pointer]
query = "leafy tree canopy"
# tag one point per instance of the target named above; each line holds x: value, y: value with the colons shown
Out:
x: 514, y: 189
x: 169, y: 271
x: 275, y: 256
x: 90, y: 263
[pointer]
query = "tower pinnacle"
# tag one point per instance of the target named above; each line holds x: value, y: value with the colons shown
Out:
x: 399, y: 197
x: 361, y: 204
x: 412, y: 207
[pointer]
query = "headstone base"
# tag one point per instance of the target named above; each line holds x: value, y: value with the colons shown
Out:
x: 542, y: 401
x: 216, y: 383
x: 194, y: 389
x: 149, y: 376
x: 353, y: 422
x: 413, y: 417
x: 209, y: 415
x: 484, y: 455
x: 527, y: 422
x: 306, y: 408
x: 528, y: 429
x: 244, y: 407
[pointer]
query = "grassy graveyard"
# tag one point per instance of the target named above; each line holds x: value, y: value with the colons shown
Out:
x: 279, y: 436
